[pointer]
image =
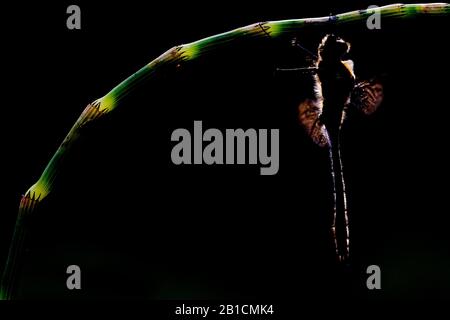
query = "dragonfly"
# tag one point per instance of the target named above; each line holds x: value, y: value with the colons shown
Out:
x: 336, y: 92
x: 321, y: 117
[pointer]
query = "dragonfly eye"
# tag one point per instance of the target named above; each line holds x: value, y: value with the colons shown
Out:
x: 333, y: 47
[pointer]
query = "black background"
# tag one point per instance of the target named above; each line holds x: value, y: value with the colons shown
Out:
x: 140, y: 227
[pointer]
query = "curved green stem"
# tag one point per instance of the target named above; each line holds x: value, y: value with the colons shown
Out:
x: 173, y: 57
x: 194, y: 50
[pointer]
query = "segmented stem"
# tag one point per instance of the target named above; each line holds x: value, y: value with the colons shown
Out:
x: 180, y: 54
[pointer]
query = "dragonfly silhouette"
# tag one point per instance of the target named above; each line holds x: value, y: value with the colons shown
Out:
x: 336, y: 91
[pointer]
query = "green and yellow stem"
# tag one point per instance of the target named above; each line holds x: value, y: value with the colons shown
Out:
x: 173, y: 57
x: 194, y: 50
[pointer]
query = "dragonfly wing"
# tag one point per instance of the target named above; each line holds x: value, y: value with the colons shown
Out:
x: 309, y: 117
x: 367, y: 96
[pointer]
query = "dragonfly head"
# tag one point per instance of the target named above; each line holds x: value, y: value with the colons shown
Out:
x: 333, y: 47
